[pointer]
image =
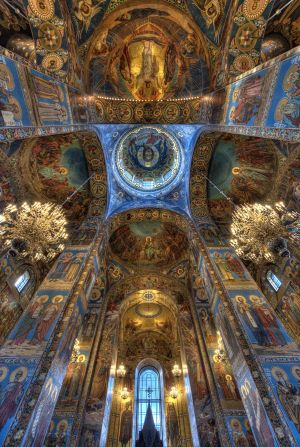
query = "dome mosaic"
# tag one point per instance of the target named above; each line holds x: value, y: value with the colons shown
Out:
x: 148, y: 159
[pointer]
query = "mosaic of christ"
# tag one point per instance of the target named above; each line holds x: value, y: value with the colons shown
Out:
x: 149, y: 63
x: 149, y: 243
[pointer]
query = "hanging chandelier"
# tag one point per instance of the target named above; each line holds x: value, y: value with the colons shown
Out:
x: 174, y: 392
x: 37, y: 230
x: 176, y: 371
x: 121, y: 371
x: 124, y: 393
x: 261, y: 232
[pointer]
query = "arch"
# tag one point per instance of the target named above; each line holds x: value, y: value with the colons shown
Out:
x: 229, y: 170
x: 54, y: 39
x: 245, y: 37
x: 76, y: 162
x: 109, y: 44
x: 150, y: 363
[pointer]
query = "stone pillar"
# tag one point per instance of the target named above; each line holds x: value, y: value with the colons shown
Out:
x: 34, y: 358
x: 66, y: 422
x: 264, y: 359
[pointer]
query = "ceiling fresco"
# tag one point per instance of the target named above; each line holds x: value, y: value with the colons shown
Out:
x: 149, y: 244
x: 148, y: 53
x: 148, y: 159
x: 211, y: 16
x: 242, y: 168
x: 146, y: 164
x: 7, y: 194
x: 15, y: 32
x: 53, y: 168
x: 282, y: 32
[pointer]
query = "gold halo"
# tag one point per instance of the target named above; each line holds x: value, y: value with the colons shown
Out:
x: 278, y: 112
x: 21, y: 369
x: 296, y: 375
x: 52, y: 62
x: 3, y: 373
x: 240, y: 298
x: 236, y: 170
x: 276, y: 369
x: 235, y: 421
x: 287, y: 84
x: 43, y: 9
x: 43, y: 299
x: 63, y: 170
x: 255, y: 299
x: 57, y: 299
x: 81, y: 358
x: 6, y: 73
x: 228, y: 376
x: 62, y: 422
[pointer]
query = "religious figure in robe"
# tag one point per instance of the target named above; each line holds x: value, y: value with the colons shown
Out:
x: 126, y: 426
x: 31, y: 318
x: 45, y: 323
x: 10, y: 395
x: 223, y: 267
x: 289, y: 395
x: 173, y: 426
x: 268, y: 320
x: 147, y: 82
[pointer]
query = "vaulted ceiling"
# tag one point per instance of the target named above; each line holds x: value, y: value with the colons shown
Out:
x: 149, y: 49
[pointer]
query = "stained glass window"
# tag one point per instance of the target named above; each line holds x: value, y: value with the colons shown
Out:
x: 273, y: 280
x: 149, y: 392
x: 22, y: 281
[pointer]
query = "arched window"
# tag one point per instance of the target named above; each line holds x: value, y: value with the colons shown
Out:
x: 273, y: 280
x: 22, y: 281
x: 149, y: 389
x: 149, y: 392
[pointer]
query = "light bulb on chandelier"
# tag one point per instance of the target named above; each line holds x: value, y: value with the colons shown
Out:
x: 121, y: 371
x: 261, y: 232
x: 174, y: 392
x: 124, y: 393
x: 37, y: 230
x: 176, y: 371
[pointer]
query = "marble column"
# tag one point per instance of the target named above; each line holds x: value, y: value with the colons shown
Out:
x: 34, y: 358
x: 264, y: 359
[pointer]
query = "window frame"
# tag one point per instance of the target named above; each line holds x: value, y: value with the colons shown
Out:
x: 142, y: 366
x: 22, y: 281
x: 273, y: 280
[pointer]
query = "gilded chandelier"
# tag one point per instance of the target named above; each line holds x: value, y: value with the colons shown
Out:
x: 37, y: 230
x: 261, y: 232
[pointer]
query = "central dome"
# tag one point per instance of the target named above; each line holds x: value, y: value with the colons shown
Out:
x: 148, y: 159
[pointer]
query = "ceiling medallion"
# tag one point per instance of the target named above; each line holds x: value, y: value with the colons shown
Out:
x: 148, y: 310
x: 148, y: 160
x: 253, y: 9
x: 148, y: 296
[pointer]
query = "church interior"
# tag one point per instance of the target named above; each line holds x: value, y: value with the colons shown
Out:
x: 150, y: 223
